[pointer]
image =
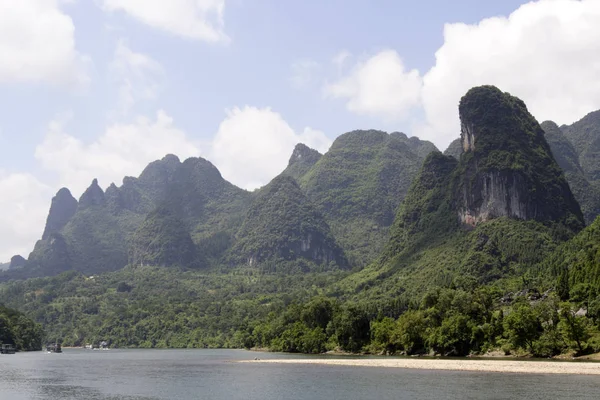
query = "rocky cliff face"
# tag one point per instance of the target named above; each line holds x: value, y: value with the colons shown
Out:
x: 507, y: 168
x: 62, y: 209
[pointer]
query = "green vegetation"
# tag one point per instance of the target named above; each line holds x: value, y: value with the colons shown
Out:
x: 282, y: 224
x: 477, y: 251
x: 359, y: 183
x: 587, y: 195
x: 18, y: 330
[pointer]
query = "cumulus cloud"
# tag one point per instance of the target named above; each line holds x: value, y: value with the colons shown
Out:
x: 37, y: 44
x: 380, y: 86
x: 137, y: 75
x: 192, y: 19
x: 545, y: 52
x: 124, y: 149
x: 24, y: 204
x: 252, y: 145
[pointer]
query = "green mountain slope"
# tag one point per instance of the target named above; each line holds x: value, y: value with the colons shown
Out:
x: 567, y: 158
x: 359, y: 183
x: 283, y: 225
x: 495, y: 213
x: 585, y: 137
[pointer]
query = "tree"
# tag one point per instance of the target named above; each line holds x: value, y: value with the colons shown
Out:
x: 573, y: 327
x: 522, y: 326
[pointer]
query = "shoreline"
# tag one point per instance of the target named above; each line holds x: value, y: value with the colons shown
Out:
x: 472, y: 365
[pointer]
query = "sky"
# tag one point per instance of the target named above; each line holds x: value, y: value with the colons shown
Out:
x: 100, y: 88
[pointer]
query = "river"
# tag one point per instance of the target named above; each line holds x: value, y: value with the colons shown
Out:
x: 214, y: 374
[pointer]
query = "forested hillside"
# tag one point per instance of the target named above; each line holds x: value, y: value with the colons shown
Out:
x: 383, y: 245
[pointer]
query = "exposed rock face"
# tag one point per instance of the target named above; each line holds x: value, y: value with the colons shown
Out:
x: 496, y: 194
x: 62, y: 209
x: 93, y: 196
x: 283, y: 223
x: 17, y: 262
x: 507, y: 168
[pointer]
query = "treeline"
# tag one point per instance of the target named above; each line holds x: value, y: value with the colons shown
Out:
x: 18, y: 330
x: 447, y: 322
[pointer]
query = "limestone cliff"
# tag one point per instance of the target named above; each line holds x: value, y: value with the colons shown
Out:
x: 507, y: 168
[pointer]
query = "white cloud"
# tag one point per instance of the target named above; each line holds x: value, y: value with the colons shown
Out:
x: 122, y: 150
x: 24, y: 204
x: 380, y: 86
x: 253, y: 145
x: 193, y: 19
x: 37, y: 44
x: 546, y: 52
x: 137, y: 75
x: 303, y: 73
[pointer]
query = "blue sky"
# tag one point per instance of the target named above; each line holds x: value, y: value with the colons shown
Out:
x: 97, y: 89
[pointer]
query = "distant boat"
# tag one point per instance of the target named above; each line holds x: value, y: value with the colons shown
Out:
x: 54, y: 348
x: 7, y: 349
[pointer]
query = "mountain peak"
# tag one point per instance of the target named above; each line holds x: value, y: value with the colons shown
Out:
x: 303, y: 153
x: 93, y: 195
x: 17, y: 261
x: 62, y: 209
x: 507, y: 168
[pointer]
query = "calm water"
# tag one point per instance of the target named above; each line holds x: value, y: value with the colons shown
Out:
x: 214, y: 374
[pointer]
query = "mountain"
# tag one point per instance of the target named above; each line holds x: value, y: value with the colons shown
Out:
x: 359, y: 183
x: 62, y: 209
x: 585, y: 137
x: 495, y: 213
x: 103, y: 231
x: 587, y: 194
x: 17, y: 262
x: 455, y: 149
x: 302, y: 160
x: 283, y: 225
x: 508, y: 168
x: 4, y: 266
x: 163, y: 240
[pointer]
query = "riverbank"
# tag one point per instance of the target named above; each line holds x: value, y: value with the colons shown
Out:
x: 507, y: 366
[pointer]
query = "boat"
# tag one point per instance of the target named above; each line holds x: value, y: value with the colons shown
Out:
x: 54, y: 348
x: 7, y: 349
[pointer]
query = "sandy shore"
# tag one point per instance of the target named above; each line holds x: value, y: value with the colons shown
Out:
x: 526, y: 367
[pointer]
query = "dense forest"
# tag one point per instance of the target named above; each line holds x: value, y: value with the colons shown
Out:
x: 381, y: 245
